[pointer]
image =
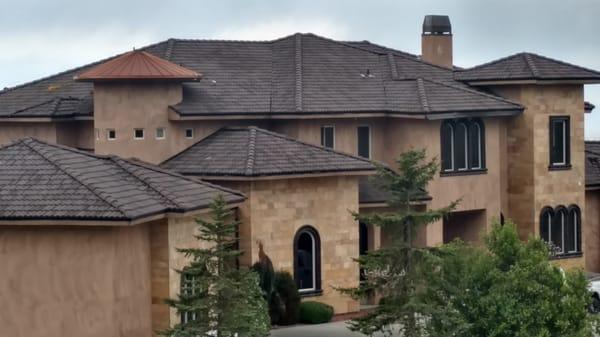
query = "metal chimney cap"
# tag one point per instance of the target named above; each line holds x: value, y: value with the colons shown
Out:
x: 437, y: 25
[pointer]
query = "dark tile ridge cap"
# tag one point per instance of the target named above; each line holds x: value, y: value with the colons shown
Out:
x: 477, y: 92
x: 298, y: 60
x: 490, y: 62
x: 423, y: 95
x: 282, y: 136
x: 169, y: 49
x: 393, y: 67
x: 158, y: 169
x: 73, y: 69
x: 531, y: 65
x: 29, y: 141
x: 116, y: 160
x: 251, y: 152
x: 52, y: 100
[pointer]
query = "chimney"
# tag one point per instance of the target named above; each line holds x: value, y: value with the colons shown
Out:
x: 436, y: 40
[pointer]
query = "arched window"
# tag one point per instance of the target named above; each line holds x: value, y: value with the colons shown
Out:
x: 561, y: 227
x: 546, y: 223
x: 476, y: 145
x: 447, y: 146
x: 307, y: 260
x: 572, y: 239
x: 557, y: 232
x: 463, y: 145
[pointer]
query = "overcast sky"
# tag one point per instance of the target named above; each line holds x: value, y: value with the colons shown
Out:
x: 39, y: 38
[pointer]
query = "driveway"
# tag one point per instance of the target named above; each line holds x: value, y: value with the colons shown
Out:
x: 335, y: 329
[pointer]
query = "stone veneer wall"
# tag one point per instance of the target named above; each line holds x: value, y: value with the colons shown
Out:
x: 531, y: 185
x: 276, y: 209
x: 592, y: 234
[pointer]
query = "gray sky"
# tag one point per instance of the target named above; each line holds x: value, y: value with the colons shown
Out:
x: 39, y: 38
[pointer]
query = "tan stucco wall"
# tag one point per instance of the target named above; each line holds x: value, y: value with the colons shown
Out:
x: 13, y: 131
x: 592, y: 234
x: 277, y: 209
x: 531, y: 185
x: 76, y: 134
x: 75, y: 281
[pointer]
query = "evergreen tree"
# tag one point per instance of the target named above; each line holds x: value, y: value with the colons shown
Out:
x: 393, y: 271
x: 218, y: 299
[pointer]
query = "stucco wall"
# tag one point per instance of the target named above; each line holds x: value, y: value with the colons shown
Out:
x: 532, y: 185
x: 13, y: 131
x: 75, y: 281
x: 76, y: 134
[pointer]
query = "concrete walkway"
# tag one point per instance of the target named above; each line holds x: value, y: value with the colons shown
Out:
x: 335, y: 329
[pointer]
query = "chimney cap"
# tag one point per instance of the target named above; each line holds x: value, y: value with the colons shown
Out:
x: 437, y: 25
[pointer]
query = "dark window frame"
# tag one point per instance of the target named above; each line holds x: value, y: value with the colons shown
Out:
x: 566, y: 141
x: 317, y: 258
x: 324, y: 136
x: 455, y: 168
x: 555, y: 218
x: 369, y: 139
x: 190, y: 135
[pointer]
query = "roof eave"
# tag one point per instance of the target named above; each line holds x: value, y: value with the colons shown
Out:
x: 239, y: 177
x: 525, y: 81
x: 466, y: 114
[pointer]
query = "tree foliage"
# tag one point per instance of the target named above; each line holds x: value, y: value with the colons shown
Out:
x: 221, y: 300
x: 508, y: 288
x: 393, y: 271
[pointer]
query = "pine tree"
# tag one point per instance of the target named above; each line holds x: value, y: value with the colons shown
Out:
x: 392, y: 272
x: 218, y: 299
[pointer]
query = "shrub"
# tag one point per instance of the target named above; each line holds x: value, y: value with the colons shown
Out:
x: 267, y: 284
x: 287, y: 293
x: 315, y: 312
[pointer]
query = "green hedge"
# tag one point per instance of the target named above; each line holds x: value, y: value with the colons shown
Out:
x: 315, y: 312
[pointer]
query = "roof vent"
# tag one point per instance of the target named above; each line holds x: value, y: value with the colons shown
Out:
x: 437, y: 25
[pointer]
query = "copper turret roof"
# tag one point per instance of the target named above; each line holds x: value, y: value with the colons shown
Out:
x: 138, y: 65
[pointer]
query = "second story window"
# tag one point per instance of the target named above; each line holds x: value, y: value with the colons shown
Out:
x: 328, y: 136
x: 160, y: 133
x: 462, y: 145
x: 364, y: 141
x: 189, y: 133
x: 138, y: 134
x: 111, y: 134
x: 560, y: 152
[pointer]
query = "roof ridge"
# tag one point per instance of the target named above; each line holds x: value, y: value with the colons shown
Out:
x: 423, y: 95
x: 251, y: 151
x: 564, y: 63
x: 393, y: 67
x: 116, y: 160
x: 531, y: 65
x: 26, y: 141
x: 8, y: 89
x: 489, y: 62
x: 471, y: 90
x: 34, y: 106
x: 298, y: 61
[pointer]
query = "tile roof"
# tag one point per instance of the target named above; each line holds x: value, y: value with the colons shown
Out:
x: 298, y: 74
x: 44, y: 181
x: 253, y: 152
x: 526, y: 66
x: 137, y: 65
x: 592, y: 163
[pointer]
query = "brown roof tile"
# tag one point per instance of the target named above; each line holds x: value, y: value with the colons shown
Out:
x: 45, y: 181
x: 254, y: 152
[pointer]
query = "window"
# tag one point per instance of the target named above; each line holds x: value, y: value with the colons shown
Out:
x: 307, y: 260
x: 160, y: 133
x: 189, y: 288
x: 97, y: 133
x: 138, y: 133
x: 560, y: 151
x: 364, y: 141
x: 328, y: 136
x: 111, y: 134
x: 189, y: 133
x: 561, y: 228
x: 462, y: 145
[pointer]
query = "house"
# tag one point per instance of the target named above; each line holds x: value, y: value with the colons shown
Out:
x: 289, y: 130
